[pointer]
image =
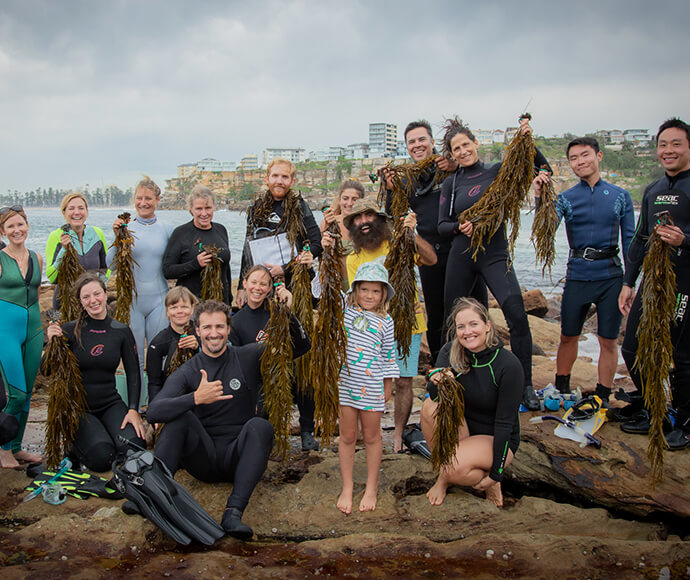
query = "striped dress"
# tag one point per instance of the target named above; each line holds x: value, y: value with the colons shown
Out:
x: 370, y: 359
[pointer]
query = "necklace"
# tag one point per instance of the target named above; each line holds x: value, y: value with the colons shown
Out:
x: 20, y: 261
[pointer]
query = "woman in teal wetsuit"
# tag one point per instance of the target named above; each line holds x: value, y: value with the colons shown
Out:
x: 88, y: 241
x: 20, y: 327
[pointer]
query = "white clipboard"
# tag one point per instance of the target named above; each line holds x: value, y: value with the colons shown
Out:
x: 274, y: 249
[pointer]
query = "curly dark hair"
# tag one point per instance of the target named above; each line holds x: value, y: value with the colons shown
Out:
x: 452, y: 127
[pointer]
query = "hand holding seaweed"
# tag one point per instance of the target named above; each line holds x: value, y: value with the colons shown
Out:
x: 211, y: 274
x: 328, y: 359
x: 125, y: 284
x: 501, y: 202
x: 181, y: 355
x: 303, y: 308
x: 545, y: 224
x: 654, y: 357
x: 68, y: 271
x: 450, y: 415
x: 66, y: 400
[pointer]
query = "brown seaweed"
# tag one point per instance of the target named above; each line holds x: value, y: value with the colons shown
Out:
x: 450, y: 415
x: 501, y: 202
x: 404, y: 177
x: 181, y: 355
x: 66, y: 400
x: 276, y: 373
x: 400, y: 263
x: 68, y: 271
x: 125, y: 285
x: 211, y: 274
x: 654, y: 357
x: 544, y: 228
x: 303, y: 308
x: 330, y: 356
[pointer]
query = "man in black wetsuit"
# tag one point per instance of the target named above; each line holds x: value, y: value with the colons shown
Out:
x: 423, y: 200
x: 670, y: 193
x: 209, y: 405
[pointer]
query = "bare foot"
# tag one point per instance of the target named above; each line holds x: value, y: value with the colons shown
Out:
x: 494, y: 495
x: 368, y: 503
x: 397, y: 444
x: 26, y: 457
x: 7, y: 460
x: 345, y: 501
x: 437, y: 493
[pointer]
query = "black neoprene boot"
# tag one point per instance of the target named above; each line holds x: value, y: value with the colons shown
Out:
x: 530, y: 399
x: 603, y: 393
x: 232, y: 524
x: 679, y: 438
x: 563, y: 384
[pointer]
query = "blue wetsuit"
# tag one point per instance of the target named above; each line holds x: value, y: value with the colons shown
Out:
x: 147, y: 314
x: 22, y: 337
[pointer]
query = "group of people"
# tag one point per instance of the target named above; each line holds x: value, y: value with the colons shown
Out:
x: 209, y: 410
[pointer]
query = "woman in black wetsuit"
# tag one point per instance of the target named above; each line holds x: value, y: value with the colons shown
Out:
x: 492, y: 380
x: 100, y: 343
x: 460, y: 191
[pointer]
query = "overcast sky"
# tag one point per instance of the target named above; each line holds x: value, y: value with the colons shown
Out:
x: 99, y: 92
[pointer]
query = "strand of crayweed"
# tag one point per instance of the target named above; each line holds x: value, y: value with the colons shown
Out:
x: 654, y: 357
x: 450, y: 415
x: 66, y: 399
x: 181, y: 355
x: 276, y: 373
x: 501, y: 202
x: 329, y: 358
x: 212, y: 276
x: 403, y: 178
x: 67, y: 273
x: 544, y: 228
x: 125, y: 285
x: 303, y: 308
x: 400, y: 263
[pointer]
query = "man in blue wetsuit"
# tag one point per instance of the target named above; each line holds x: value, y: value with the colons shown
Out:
x: 597, y: 214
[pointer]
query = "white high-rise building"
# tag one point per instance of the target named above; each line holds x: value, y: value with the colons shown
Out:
x: 383, y: 140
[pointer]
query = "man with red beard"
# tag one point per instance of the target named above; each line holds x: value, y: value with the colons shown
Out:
x: 370, y: 232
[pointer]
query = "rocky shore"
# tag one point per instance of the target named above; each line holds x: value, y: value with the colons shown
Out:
x: 569, y: 512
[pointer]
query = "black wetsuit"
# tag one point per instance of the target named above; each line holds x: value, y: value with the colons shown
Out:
x: 221, y: 441
x: 104, y: 343
x: 158, y: 354
x: 424, y: 201
x: 180, y: 263
x: 247, y: 327
x: 461, y: 191
x: 493, y: 391
x: 313, y: 236
x: 673, y: 195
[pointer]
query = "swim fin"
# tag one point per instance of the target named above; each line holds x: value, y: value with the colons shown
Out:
x: 79, y: 484
x: 413, y: 438
x: 144, y: 479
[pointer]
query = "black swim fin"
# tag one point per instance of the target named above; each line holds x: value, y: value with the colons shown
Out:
x: 79, y: 484
x: 413, y: 438
x: 145, y: 480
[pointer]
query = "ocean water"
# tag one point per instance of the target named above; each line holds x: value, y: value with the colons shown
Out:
x: 42, y: 221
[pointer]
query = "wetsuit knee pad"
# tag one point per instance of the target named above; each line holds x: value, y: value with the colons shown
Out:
x: 98, y: 457
x: 514, y: 311
x: 260, y: 428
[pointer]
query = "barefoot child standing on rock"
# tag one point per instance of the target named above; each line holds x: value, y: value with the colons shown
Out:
x: 366, y: 380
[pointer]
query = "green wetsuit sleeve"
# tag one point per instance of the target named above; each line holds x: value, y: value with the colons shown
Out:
x: 53, y: 255
x: 102, y: 252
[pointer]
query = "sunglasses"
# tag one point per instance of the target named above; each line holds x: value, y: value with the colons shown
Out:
x: 9, y: 208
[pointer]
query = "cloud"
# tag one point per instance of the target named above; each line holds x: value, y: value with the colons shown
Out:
x: 101, y: 91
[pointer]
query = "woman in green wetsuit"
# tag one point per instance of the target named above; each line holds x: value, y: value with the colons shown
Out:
x: 88, y: 241
x: 20, y: 327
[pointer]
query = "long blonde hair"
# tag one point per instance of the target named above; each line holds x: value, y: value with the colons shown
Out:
x: 459, y: 359
x: 381, y: 310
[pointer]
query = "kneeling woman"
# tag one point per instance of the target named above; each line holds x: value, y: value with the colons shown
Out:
x: 492, y: 380
x: 100, y: 343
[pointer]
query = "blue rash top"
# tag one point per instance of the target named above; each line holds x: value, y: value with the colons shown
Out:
x: 594, y: 217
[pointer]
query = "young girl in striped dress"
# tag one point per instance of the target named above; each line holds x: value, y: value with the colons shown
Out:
x: 366, y: 379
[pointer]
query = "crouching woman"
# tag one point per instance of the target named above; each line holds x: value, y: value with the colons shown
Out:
x: 492, y: 381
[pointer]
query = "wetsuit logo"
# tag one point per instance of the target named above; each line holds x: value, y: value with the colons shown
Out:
x: 666, y: 199
x: 97, y: 350
x: 263, y: 335
x: 475, y: 191
x: 235, y: 384
x: 681, y: 307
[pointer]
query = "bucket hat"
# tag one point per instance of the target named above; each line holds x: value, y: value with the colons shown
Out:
x: 373, y: 272
x: 362, y: 206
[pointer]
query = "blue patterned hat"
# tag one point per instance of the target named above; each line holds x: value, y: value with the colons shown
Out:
x: 373, y: 272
